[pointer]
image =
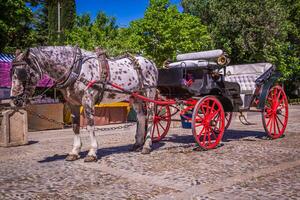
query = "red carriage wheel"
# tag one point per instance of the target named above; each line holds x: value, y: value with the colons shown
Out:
x: 275, y: 113
x: 228, y: 118
x: 161, y: 122
x: 208, y: 122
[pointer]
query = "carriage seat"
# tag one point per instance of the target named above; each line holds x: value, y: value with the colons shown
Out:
x: 246, y: 75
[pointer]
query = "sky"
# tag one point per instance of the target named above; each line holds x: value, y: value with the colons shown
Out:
x: 125, y: 11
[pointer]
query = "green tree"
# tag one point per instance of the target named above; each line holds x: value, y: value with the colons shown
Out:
x: 165, y: 32
x: 67, y: 19
x: 40, y: 21
x: 87, y: 34
x: 15, y: 25
x: 253, y: 31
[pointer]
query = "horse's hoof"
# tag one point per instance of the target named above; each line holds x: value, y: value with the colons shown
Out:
x: 136, y: 148
x: 146, y: 151
x: 72, y: 157
x: 90, y: 159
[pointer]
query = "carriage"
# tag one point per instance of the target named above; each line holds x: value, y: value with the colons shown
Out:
x: 202, y: 86
x: 206, y: 91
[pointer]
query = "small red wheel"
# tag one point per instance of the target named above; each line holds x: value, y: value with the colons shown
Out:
x: 208, y: 122
x: 275, y: 113
x: 228, y: 118
x: 161, y: 122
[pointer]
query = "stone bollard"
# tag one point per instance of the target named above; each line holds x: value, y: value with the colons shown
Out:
x: 14, y: 128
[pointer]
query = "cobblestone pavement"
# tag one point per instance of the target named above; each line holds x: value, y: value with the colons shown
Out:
x: 245, y: 166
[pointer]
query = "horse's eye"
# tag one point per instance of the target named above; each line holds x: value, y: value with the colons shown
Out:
x: 21, y: 74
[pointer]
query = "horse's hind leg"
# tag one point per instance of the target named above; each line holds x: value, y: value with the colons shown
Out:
x: 150, y: 114
x: 140, y: 129
x: 89, y: 111
x: 74, y: 154
x: 148, y: 121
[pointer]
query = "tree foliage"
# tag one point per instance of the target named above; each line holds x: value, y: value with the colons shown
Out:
x: 15, y: 21
x: 253, y: 31
x: 89, y: 34
x: 161, y: 34
x: 164, y: 32
x: 67, y: 19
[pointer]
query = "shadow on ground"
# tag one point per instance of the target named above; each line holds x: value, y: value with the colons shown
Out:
x: 229, y: 135
x: 102, y: 152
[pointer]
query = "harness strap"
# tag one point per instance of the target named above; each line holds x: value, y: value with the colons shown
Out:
x: 103, y: 70
x: 138, y: 69
x: 73, y: 74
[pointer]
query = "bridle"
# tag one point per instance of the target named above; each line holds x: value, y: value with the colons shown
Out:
x: 19, y: 99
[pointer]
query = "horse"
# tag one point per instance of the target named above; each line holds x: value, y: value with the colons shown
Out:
x: 85, y: 80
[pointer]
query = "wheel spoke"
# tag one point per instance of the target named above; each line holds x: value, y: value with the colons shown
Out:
x: 164, y: 118
x: 153, y: 130
x: 269, y: 121
x: 208, y: 136
x: 274, y: 123
x: 214, y: 133
x: 160, y: 109
x: 161, y: 126
x: 201, y: 132
x: 212, y: 107
x: 279, y: 120
x: 279, y: 130
x: 197, y: 125
x: 213, y: 114
x: 199, y: 116
x: 158, y: 133
x: 204, y: 137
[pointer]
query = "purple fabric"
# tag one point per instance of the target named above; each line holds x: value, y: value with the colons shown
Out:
x: 5, y: 77
x: 4, y: 74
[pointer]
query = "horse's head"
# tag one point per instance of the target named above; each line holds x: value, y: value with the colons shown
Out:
x: 23, y: 78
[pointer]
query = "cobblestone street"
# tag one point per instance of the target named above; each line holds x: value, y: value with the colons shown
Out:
x: 245, y: 166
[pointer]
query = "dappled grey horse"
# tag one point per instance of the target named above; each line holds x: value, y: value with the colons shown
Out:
x: 86, y: 78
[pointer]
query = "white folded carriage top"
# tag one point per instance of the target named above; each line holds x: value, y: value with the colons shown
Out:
x: 202, y: 55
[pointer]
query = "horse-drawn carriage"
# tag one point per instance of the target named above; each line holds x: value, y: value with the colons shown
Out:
x: 209, y: 91
x: 202, y: 84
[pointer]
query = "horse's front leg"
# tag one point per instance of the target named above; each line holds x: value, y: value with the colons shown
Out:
x: 89, y: 110
x: 74, y: 154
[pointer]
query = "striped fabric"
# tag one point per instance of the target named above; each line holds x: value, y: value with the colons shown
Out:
x: 6, y: 57
x: 5, y: 66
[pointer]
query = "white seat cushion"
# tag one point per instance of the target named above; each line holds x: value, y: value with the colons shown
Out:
x: 245, y: 75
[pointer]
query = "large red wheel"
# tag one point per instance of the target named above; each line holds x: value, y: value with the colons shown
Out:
x: 208, y: 122
x: 228, y: 118
x: 161, y: 122
x: 275, y: 113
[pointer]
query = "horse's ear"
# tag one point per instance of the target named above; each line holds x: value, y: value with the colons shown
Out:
x: 100, y: 51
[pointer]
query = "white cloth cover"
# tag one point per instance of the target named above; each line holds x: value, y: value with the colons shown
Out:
x: 245, y: 75
x: 202, y: 55
x: 192, y: 63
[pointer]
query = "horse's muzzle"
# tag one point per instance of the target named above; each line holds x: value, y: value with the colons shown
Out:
x: 18, y: 101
